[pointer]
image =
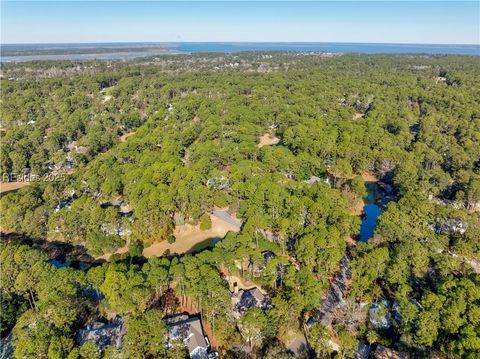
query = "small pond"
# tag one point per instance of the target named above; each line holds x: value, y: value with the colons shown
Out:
x: 377, y: 196
x: 62, y: 263
x: 369, y: 221
x: 206, y: 244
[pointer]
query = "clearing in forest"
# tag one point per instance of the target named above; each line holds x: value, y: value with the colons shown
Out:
x: 240, y: 282
x: 188, y: 236
x: 357, y: 208
x: 268, y: 139
x: 12, y: 186
x: 369, y: 177
x: 366, y: 176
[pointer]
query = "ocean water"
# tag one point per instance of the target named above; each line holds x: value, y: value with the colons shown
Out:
x: 365, y: 48
x: 226, y: 47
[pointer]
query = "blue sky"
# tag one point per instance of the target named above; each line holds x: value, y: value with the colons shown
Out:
x: 440, y: 22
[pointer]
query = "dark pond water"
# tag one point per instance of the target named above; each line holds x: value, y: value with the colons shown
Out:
x: 372, y: 211
x: 61, y: 263
x: 369, y: 221
x: 206, y: 244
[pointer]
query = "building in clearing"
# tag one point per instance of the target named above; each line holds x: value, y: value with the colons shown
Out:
x: 189, y: 330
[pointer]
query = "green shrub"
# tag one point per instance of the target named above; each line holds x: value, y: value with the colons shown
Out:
x: 205, y: 222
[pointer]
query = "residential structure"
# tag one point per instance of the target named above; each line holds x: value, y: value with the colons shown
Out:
x: 246, y: 299
x: 189, y: 330
x: 103, y: 334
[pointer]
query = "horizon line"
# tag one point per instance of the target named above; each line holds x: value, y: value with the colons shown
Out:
x: 238, y: 42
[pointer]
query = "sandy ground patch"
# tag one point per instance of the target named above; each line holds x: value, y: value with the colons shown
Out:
x: 366, y: 176
x: 243, y: 283
x: 358, y: 115
x: 351, y: 241
x: 369, y: 177
x: 268, y: 139
x: 357, y: 208
x: 295, y: 341
x: 12, y: 186
x: 188, y: 236
x: 126, y: 135
x: 107, y: 98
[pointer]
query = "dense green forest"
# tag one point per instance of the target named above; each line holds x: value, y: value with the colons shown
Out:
x: 194, y: 124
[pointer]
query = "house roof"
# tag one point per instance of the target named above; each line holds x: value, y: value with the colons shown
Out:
x: 379, y: 315
x: 189, y: 330
x: 255, y: 292
x: 103, y: 334
x: 299, y: 345
x: 246, y: 299
x: 363, y: 351
x: 386, y: 353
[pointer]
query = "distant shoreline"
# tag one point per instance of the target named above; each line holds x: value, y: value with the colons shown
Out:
x: 36, y: 51
x: 112, y: 51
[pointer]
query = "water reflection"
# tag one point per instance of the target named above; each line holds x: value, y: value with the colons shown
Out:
x: 371, y: 211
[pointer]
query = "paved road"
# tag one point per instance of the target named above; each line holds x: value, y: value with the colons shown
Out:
x: 224, y: 216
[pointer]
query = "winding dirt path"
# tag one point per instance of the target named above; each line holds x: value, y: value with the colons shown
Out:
x: 126, y: 135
